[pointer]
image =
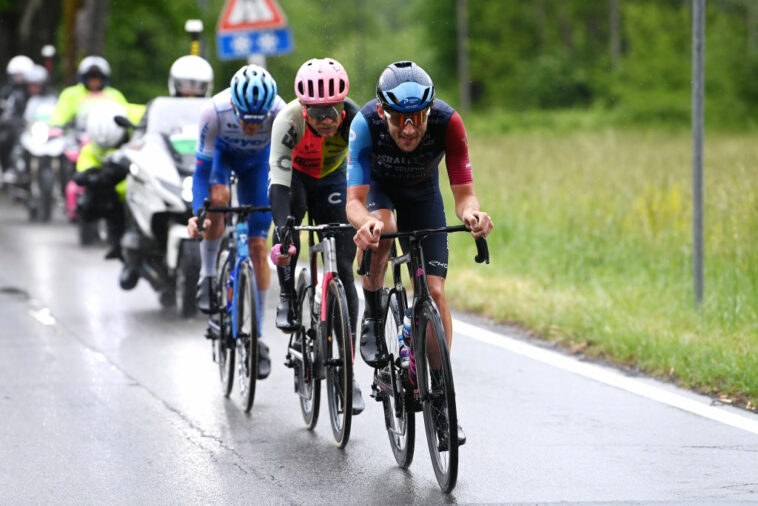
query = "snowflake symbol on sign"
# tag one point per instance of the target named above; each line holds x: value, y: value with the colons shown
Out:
x: 241, y: 44
x: 268, y: 42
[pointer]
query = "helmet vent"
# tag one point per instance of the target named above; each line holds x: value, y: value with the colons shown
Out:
x: 321, y: 88
x: 342, y: 85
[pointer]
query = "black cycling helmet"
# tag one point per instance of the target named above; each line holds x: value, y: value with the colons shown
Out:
x: 404, y: 87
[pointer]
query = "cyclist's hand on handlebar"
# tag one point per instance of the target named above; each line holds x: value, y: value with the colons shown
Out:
x: 193, y: 230
x: 280, y: 259
x: 368, y: 235
x: 478, y: 222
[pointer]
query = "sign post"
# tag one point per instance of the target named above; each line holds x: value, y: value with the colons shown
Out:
x: 248, y: 27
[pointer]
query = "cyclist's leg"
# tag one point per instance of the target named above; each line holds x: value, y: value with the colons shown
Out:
x: 252, y: 189
x: 215, y: 183
x: 286, y: 317
x: 420, y: 208
x: 373, y: 347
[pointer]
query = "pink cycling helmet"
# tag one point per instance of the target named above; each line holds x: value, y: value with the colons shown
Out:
x: 321, y: 81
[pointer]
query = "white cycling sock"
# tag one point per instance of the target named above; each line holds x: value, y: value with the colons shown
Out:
x: 209, y: 256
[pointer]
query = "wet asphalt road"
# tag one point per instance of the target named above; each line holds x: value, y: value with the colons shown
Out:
x: 105, y: 397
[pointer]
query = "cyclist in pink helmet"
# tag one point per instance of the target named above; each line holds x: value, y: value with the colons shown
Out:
x: 310, y: 135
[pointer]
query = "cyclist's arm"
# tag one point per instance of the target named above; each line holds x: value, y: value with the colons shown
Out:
x: 286, y: 132
x: 206, y: 150
x: 358, y: 185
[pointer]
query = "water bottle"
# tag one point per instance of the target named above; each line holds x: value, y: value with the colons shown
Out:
x: 404, y: 340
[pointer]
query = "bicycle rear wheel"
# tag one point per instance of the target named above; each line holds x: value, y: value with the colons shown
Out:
x: 225, y: 342
x: 247, y: 335
x: 399, y: 416
x: 338, y: 357
x: 435, y: 380
x: 309, y: 388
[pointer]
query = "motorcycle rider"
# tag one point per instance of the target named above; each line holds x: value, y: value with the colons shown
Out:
x: 308, y: 161
x: 189, y: 76
x: 105, y: 182
x: 235, y: 135
x: 12, y: 103
x: 94, y: 82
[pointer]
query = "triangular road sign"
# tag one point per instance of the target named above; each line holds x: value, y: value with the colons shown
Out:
x: 251, y: 15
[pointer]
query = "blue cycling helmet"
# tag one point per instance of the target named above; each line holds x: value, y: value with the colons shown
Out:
x: 404, y: 87
x: 253, y: 93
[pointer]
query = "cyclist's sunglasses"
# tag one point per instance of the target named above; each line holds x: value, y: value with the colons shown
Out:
x: 321, y: 112
x: 248, y: 118
x: 400, y: 119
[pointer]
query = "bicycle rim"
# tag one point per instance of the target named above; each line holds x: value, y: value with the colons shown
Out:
x: 400, y: 419
x: 310, y: 388
x: 247, y: 336
x: 438, y: 396
x: 339, y: 359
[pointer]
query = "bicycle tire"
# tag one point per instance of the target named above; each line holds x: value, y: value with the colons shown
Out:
x: 225, y: 354
x: 338, y: 357
x: 437, y: 396
x: 247, y: 335
x: 305, y: 370
x: 401, y: 430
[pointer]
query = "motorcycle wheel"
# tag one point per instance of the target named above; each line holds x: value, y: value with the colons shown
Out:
x: 45, y: 180
x: 186, y: 278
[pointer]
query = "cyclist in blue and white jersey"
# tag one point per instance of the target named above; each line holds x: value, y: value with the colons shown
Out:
x: 235, y: 135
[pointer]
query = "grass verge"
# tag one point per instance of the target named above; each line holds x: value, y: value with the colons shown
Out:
x: 592, y: 248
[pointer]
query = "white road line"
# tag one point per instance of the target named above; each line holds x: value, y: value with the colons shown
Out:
x: 598, y: 373
x: 607, y: 376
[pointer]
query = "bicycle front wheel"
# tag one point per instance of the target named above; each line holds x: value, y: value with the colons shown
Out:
x: 399, y: 416
x: 435, y: 381
x: 338, y: 356
x: 247, y: 335
x: 307, y: 385
x: 225, y: 343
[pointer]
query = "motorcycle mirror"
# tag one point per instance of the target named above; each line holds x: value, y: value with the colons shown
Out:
x: 123, y: 121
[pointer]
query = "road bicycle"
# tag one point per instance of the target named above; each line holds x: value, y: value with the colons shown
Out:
x: 321, y: 347
x: 235, y: 328
x: 427, y: 383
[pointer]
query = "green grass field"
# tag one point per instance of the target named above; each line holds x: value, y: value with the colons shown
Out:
x: 592, y: 248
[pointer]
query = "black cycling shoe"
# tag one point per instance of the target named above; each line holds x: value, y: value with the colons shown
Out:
x: 264, y: 360
x: 373, y: 348
x: 285, y: 314
x: 358, y: 404
x: 114, y: 252
x: 461, y: 435
x: 128, y: 277
x: 206, y: 295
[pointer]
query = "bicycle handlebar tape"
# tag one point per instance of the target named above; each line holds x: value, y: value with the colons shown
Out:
x: 482, y: 251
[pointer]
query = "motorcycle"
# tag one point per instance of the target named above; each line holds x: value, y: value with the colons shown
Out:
x: 39, y: 159
x: 161, y: 161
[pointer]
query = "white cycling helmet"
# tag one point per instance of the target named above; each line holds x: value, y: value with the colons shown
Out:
x: 94, y: 65
x: 190, y: 76
x: 101, y: 127
x: 36, y: 75
x: 19, y: 65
